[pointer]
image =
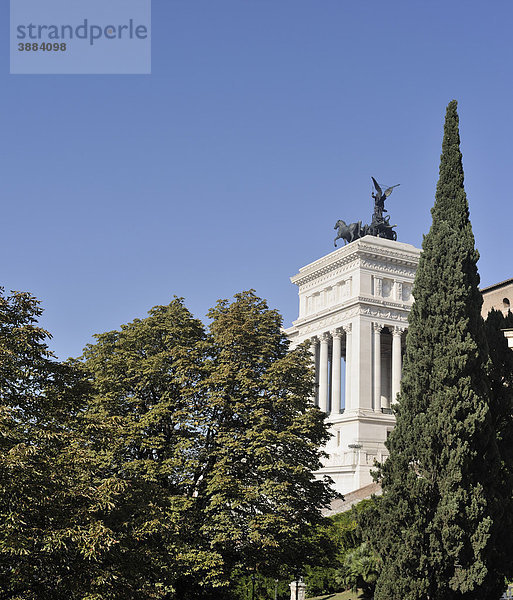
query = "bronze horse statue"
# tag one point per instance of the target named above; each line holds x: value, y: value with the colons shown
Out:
x: 347, y: 232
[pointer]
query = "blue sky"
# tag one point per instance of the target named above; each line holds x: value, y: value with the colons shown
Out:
x: 226, y: 169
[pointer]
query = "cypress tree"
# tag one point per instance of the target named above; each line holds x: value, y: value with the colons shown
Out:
x: 438, y: 520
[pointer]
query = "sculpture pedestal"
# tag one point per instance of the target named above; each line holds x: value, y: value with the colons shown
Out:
x: 353, y: 308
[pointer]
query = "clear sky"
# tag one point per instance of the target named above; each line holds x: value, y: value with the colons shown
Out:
x: 226, y: 169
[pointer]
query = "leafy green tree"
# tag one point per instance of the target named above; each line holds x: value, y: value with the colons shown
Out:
x: 260, y: 496
x: 170, y: 462
x: 48, y: 531
x: 361, y: 569
x: 440, y: 512
x: 147, y: 420
x: 338, y: 545
x: 213, y: 442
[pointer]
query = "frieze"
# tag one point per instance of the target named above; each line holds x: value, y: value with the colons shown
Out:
x: 390, y: 268
x: 404, y: 305
x: 342, y: 316
x: 387, y: 251
x: 384, y: 313
x: 352, y: 304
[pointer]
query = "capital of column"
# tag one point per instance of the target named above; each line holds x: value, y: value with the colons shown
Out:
x: 398, y: 330
x: 336, y: 333
x: 347, y: 328
x: 325, y: 337
x: 378, y: 327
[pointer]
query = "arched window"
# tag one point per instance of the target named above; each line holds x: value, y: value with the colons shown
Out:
x: 505, y: 304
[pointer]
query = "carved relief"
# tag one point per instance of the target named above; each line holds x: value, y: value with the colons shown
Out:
x: 389, y: 268
x: 386, y: 254
x: 384, y: 313
x: 406, y: 292
x: 387, y: 288
x: 379, y: 313
x: 329, y: 297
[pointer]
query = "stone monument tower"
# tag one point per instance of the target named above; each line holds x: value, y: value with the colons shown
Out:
x: 353, y: 307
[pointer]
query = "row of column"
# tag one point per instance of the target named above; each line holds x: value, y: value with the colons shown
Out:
x: 321, y: 360
x: 396, y: 362
x: 336, y: 372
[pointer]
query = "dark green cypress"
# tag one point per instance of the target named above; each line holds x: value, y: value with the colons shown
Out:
x: 437, y: 521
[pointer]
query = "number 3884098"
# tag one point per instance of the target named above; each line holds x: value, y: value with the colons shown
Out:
x: 43, y: 46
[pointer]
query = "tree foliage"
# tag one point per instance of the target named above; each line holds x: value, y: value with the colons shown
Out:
x: 361, y: 569
x: 172, y: 461
x: 344, y: 559
x: 443, y: 484
x: 47, y: 527
x: 261, y: 497
x: 145, y: 420
x: 212, y: 437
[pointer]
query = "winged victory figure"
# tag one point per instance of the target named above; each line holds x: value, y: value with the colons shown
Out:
x: 379, y: 199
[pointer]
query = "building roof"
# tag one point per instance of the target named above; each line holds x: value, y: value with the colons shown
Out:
x: 338, y: 505
x: 497, y: 285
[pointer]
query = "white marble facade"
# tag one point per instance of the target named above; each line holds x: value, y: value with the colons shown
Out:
x: 353, y: 307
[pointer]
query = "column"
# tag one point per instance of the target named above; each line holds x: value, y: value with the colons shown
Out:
x: 313, y: 350
x: 323, y: 373
x: 349, y: 339
x: 396, y: 361
x: 377, y: 366
x: 336, y: 372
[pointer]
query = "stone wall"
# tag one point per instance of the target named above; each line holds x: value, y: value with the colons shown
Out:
x: 498, y: 296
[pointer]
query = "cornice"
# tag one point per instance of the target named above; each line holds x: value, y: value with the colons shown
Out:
x: 327, y: 265
x: 389, y: 256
